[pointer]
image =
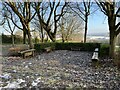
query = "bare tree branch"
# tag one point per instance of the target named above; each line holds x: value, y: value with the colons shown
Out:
x: 11, y: 17
x: 77, y: 13
x: 62, y: 10
x: 79, y: 9
x: 118, y: 31
x: 51, y: 8
x: 13, y: 7
x: 118, y: 11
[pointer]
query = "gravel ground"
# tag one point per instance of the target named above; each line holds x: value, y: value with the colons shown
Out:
x: 62, y: 68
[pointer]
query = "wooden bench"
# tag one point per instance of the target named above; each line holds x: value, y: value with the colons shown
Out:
x: 25, y: 53
x: 95, y: 55
x: 96, y: 50
x: 48, y: 49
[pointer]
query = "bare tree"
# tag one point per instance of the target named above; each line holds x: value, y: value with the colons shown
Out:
x: 83, y: 10
x: 37, y: 23
x: 8, y: 13
x: 23, y: 12
x: 69, y: 25
x: 57, y: 16
x: 6, y: 22
x: 112, y: 12
x: 38, y: 28
x: 10, y: 29
x: 53, y: 12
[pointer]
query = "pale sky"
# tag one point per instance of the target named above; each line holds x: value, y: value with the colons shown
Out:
x: 97, y: 23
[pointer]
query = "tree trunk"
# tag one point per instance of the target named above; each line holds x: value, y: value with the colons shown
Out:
x: 112, y: 45
x: 29, y: 37
x: 42, y: 38
x: 51, y: 36
x: 86, y: 25
x: 24, y: 37
x: 46, y: 40
x: 63, y: 40
x: 62, y: 32
x: 55, y: 30
x: 46, y: 28
x: 111, y: 23
x: 41, y: 25
x: 30, y: 40
x: 13, y: 40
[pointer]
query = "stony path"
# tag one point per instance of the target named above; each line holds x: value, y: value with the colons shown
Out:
x: 0, y: 65
x: 59, y: 69
x: 0, y: 69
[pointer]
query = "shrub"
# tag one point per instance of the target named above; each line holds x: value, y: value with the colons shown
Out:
x: 37, y: 47
x: 83, y: 46
x: 104, y: 50
x: 37, y: 40
x: 41, y: 46
x: 6, y: 39
x: 67, y: 46
x: 117, y: 59
x: 62, y: 46
x: 18, y: 39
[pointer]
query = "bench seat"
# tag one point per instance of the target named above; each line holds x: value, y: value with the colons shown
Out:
x: 95, y: 55
x: 25, y: 53
x: 48, y: 49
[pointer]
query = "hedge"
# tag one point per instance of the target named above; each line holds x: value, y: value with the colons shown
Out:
x: 41, y: 46
x: 67, y: 46
x: 8, y: 40
x: 104, y: 50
